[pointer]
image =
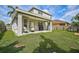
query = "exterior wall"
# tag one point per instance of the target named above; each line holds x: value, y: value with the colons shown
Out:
x: 8, y: 27
x: 35, y: 11
x: 14, y: 26
x: 42, y: 14
x: 46, y: 16
x: 59, y: 26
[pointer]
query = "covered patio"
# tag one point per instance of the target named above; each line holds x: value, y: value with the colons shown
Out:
x: 28, y: 23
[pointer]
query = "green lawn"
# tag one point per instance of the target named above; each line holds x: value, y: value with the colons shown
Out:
x: 55, y: 41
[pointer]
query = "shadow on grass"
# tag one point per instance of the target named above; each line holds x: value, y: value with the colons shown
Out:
x: 2, y: 34
x: 72, y: 50
x: 47, y: 46
x: 11, y: 48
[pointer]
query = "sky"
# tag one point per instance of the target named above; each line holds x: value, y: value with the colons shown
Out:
x: 58, y: 12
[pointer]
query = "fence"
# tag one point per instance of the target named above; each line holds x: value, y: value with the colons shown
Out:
x: 73, y: 28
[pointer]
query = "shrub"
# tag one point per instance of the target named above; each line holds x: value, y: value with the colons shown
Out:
x: 2, y: 26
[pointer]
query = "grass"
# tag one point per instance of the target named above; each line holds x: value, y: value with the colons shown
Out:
x: 55, y: 41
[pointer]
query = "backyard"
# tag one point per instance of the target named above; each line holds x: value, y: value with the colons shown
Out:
x: 57, y: 41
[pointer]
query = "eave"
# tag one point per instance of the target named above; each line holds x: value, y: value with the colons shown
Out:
x: 30, y: 14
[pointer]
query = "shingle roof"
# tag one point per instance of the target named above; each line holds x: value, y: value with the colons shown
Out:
x: 59, y: 21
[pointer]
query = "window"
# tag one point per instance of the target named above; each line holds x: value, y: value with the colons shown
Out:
x: 39, y: 12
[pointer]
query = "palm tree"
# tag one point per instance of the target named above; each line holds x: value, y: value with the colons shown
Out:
x: 75, y: 21
x: 11, y: 11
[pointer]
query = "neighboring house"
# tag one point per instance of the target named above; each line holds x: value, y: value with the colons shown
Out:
x: 34, y: 20
x: 60, y: 25
x: 73, y: 28
x: 8, y: 27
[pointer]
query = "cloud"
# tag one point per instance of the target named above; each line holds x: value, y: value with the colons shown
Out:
x: 71, y: 13
x: 72, y: 7
x: 46, y: 11
x: 5, y: 19
x: 68, y: 15
x: 54, y: 18
x: 62, y: 12
x: 61, y: 19
x: 25, y: 7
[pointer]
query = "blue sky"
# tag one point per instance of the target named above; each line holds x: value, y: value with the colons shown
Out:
x: 61, y: 12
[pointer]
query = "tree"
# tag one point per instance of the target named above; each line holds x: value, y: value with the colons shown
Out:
x: 75, y: 21
x: 2, y: 26
x: 11, y: 11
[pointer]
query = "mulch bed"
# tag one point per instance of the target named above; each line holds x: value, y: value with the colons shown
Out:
x: 18, y: 46
x: 76, y: 34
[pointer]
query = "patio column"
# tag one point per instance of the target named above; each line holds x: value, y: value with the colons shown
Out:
x: 36, y: 25
x: 28, y: 25
x: 44, y: 25
x: 50, y: 26
x: 32, y: 26
x: 20, y: 24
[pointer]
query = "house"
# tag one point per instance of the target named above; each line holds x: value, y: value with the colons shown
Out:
x: 32, y: 21
x: 60, y: 25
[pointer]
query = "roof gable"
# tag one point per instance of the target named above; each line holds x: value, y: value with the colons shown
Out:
x: 39, y: 10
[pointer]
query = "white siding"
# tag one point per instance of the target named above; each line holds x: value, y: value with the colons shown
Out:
x: 43, y: 14
x: 46, y: 16
x: 35, y: 11
x: 14, y: 26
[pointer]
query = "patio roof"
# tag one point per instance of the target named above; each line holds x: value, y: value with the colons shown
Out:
x: 32, y: 14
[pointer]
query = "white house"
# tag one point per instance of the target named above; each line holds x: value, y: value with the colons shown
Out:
x: 32, y: 21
